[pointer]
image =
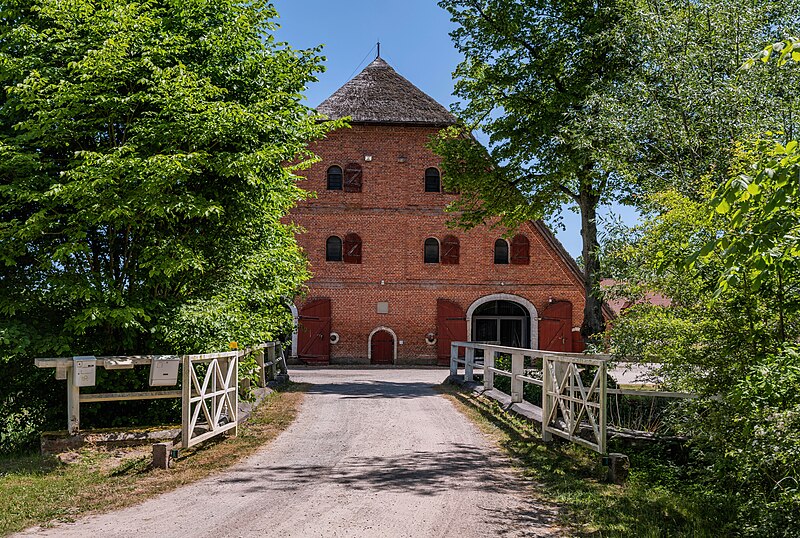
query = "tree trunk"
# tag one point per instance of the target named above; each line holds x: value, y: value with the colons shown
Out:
x: 593, y: 322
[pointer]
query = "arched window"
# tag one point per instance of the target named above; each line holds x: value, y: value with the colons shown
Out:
x: 501, y: 251
x: 352, y: 177
x: 334, y: 178
x: 352, y: 248
x: 431, y: 250
x: 432, y: 180
x: 333, y: 249
x: 520, y: 250
x: 450, y: 250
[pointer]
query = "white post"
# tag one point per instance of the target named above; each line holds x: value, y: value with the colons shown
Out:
x: 272, y: 359
x: 234, y: 413
x: 470, y: 364
x: 73, y: 404
x: 547, y: 384
x: 603, y: 416
x: 453, y: 359
x: 186, y: 388
x: 488, y: 374
x: 260, y: 363
x: 517, y: 369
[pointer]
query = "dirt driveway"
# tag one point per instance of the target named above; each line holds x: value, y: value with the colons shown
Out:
x: 373, y: 452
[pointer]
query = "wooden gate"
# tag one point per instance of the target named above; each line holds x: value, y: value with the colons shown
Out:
x: 451, y: 326
x: 382, y: 348
x: 313, y: 332
x: 555, y: 327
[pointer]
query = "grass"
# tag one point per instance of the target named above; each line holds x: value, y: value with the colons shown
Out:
x: 658, y: 500
x: 40, y: 490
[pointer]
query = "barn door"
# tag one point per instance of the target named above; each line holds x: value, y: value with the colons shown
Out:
x: 313, y: 333
x: 451, y: 326
x: 382, y: 348
x: 555, y: 327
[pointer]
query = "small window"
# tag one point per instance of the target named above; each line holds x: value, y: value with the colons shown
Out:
x: 352, y: 177
x: 520, y: 250
x: 432, y: 180
x: 501, y: 252
x: 334, y: 178
x: 450, y: 250
x: 352, y: 248
x: 431, y: 250
x: 333, y: 249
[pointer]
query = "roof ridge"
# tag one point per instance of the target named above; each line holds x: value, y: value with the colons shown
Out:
x: 379, y: 94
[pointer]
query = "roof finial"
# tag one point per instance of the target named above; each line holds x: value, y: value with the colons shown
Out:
x: 379, y: 49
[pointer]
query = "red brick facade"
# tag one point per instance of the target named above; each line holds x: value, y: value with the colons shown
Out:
x: 394, y: 215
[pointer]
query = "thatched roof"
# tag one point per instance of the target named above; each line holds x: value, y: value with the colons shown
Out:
x: 380, y: 95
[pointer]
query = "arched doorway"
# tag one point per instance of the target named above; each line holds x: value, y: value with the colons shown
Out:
x: 382, y: 346
x: 504, y: 319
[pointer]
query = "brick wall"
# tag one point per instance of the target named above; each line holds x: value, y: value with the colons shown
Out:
x: 393, y: 216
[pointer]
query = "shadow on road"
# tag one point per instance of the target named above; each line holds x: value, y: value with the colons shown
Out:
x: 373, y: 389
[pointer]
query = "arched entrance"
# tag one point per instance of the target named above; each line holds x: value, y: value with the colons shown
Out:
x: 382, y: 346
x: 504, y: 319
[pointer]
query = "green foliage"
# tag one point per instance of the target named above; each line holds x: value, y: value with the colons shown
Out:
x: 541, y: 79
x: 143, y: 165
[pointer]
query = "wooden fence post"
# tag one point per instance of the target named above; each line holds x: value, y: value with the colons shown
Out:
x: 273, y: 363
x: 517, y: 369
x: 186, y: 387
x: 453, y: 359
x: 488, y: 374
x: 73, y: 404
x: 262, y: 382
x: 547, y: 387
x: 470, y: 364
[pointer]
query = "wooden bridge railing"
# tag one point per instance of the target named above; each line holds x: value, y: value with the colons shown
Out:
x: 574, y: 387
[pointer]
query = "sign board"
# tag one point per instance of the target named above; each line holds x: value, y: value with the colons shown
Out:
x: 83, y: 371
x: 164, y: 370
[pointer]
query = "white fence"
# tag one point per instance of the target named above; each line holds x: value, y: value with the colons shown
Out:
x: 574, y: 390
x: 209, y: 389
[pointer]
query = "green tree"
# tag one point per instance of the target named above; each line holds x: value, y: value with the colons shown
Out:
x: 540, y: 78
x: 143, y: 176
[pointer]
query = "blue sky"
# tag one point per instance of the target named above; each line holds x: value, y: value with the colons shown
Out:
x: 414, y: 40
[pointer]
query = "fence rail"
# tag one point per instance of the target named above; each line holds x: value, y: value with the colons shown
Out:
x: 211, y: 396
x: 570, y: 402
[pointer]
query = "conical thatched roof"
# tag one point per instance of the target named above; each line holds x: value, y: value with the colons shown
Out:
x: 380, y: 95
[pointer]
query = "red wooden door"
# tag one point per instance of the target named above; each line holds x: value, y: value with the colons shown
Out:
x: 555, y: 327
x: 382, y: 350
x: 451, y: 326
x: 313, y: 333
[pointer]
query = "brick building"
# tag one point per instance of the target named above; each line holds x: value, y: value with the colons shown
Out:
x: 391, y: 283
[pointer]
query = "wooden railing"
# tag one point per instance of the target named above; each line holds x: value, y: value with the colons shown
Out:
x: 209, y: 397
x: 574, y: 390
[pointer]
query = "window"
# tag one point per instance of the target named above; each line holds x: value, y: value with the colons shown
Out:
x: 450, y: 250
x: 352, y: 248
x: 334, y: 178
x: 432, y: 180
x: 352, y: 177
x: 431, y: 250
x: 520, y: 250
x: 333, y: 249
x: 501, y: 251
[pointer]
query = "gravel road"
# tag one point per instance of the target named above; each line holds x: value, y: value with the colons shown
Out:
x: 373, y: 452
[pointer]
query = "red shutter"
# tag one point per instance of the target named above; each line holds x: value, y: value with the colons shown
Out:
x: 352, y: 178
x: 520, y: 250
x: 450, y: 250
x: 352, y: 248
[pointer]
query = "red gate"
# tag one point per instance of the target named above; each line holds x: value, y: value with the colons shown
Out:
x: 555, y: 327
x: 451, y: 326
x: 382, y: 348
x: 313, y: 332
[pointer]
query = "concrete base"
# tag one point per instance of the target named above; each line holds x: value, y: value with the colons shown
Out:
x: 57, y: 442
x: 618, y: 468
x: 161, y: 455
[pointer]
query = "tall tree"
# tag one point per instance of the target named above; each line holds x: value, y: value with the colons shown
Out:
x: 542, y: 79
x: 143, y: 177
